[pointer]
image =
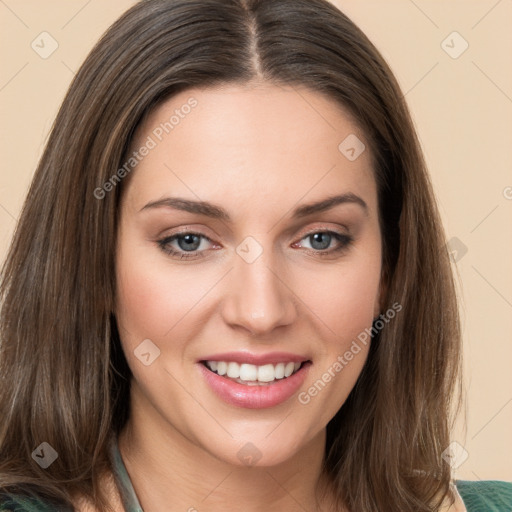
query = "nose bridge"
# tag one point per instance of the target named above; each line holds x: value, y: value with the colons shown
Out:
x: 256, y: 298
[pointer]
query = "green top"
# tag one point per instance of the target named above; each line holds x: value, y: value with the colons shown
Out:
x: 486, y: 495
x: 480, y: 496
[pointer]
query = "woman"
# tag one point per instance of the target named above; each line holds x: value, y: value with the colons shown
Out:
x: 229, y: 283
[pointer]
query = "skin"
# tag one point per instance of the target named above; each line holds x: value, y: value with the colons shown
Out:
x: 257, y: 151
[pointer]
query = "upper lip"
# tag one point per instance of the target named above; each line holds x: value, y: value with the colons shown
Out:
x: 257, y: 359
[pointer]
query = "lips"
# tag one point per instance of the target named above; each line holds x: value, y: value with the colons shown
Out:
x: 254, y: 381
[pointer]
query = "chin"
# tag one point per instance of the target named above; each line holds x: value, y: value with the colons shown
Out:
x: 258, y: 449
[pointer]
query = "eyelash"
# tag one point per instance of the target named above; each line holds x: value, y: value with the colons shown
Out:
x: 343, y: 239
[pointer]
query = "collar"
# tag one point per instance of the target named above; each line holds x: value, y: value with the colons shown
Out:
x: 124, y: 484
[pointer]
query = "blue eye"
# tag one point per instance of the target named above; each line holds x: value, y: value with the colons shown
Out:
x: 188, y: 245
x: 321, y: 240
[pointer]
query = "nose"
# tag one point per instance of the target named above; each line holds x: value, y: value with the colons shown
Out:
x: 256, y: 299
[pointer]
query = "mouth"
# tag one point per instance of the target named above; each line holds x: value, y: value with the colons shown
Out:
x: 254, y: 375
x: 254, y: 382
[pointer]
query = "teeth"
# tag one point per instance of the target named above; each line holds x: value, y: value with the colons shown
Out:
x: 266, y: 373
x: 279, y: 371
x: 248, y: 372
x: 288, y: 369
x: 233, y: 370
x: 251, y: 374
x: 222, y: 367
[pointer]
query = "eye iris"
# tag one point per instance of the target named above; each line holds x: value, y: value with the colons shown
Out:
x: 323, y: 238
x: 192, y: 242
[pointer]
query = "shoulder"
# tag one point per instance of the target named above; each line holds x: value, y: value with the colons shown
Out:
x: 22, y: 503
x: 485, y: 495
x: 34, y: 502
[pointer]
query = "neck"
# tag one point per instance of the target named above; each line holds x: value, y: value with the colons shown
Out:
x: 169, y: 472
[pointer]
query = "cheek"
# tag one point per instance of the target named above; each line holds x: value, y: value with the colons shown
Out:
x: 344, y: 298
x: 346, y: 308
x: 152, y: 297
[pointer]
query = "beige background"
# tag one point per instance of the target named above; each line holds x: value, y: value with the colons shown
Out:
x: 463, y: 111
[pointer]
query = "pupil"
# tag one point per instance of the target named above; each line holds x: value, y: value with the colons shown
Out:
x: 317, y: 237
x: 192, y: 241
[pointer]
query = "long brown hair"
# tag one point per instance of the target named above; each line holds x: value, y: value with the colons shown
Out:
x: 64, y: 379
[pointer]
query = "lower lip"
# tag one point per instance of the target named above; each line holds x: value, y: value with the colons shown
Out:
x: 255, y: 397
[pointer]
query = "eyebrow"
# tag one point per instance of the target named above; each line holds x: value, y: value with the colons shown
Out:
x: 217, y: 212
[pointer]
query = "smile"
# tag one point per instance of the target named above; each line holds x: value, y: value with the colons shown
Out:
x: 251, y: 374
x: 254, y: 386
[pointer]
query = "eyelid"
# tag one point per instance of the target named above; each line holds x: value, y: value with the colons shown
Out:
x: 177, y: 234
x: 321, y: 229
x: 188, y: 230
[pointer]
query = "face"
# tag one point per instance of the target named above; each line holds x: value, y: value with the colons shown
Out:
x: 226, y: 266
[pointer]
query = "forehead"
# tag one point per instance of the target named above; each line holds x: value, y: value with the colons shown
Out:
x: 275, y: 143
